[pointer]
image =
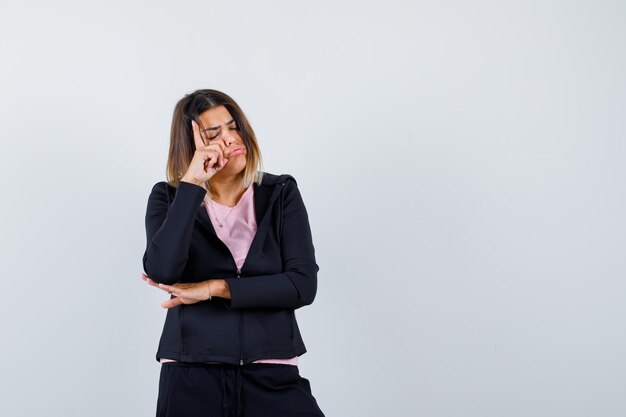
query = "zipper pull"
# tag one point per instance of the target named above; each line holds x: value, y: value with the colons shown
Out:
x: 238, y: 273
x: 240, y: 361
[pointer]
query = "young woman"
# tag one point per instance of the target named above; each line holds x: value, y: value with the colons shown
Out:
x: 233, y: 247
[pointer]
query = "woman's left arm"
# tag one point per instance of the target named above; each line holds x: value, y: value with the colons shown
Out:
x: 296, y: 286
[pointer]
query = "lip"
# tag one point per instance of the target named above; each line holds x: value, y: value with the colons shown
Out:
x: 236, y: 151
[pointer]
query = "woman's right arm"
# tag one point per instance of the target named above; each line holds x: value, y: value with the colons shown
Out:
x: 169, y: 230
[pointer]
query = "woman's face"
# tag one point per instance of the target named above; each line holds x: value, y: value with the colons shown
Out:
x: 217, y: 125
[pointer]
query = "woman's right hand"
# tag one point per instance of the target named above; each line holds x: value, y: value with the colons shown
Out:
x: 207, y: 159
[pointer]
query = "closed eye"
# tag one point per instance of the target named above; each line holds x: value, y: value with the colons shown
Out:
x: 214, y: 137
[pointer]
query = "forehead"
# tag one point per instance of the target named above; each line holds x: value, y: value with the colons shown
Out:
x: 216, y: 116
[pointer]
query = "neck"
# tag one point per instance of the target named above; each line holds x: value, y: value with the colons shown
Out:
x: 227, y: 190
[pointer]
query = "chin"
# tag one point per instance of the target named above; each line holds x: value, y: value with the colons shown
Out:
x: 233, y: 170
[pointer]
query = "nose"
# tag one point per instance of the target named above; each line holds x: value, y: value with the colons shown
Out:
x: 230, y: 139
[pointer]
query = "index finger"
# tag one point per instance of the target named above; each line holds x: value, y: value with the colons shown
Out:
x: 197, y: 138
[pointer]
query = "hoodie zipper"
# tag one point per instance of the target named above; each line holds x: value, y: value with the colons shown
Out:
x: 240, y: 328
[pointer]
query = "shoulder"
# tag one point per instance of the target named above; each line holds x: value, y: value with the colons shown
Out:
x: 163, y: 190
x: 162, y: 187
x: 289, y: 186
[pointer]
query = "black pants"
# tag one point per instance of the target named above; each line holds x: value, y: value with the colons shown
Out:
x: 223, y: 390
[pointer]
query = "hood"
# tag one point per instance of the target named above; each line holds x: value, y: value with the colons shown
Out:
x: 273, y: 179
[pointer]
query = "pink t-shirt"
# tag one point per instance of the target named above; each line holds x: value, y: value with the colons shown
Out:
x: 237, y: 231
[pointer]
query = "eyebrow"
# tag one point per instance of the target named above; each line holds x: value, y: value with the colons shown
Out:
x: 217, y: 127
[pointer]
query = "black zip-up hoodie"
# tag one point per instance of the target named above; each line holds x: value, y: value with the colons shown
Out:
x: 278, y: 276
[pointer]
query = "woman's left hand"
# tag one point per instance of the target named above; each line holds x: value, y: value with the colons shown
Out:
x: 186, y: 293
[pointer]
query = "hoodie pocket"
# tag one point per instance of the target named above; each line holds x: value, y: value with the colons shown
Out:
x: 268, y: 330
x: 209, y: 328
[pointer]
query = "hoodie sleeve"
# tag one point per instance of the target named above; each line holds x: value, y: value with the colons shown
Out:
x: 296, y: 286
x: 169, y: 229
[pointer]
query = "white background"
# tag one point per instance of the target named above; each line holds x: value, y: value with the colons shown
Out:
x: 461, y: 163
